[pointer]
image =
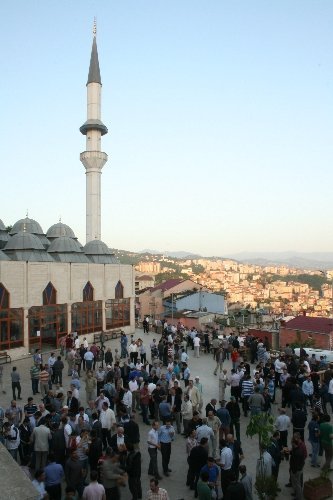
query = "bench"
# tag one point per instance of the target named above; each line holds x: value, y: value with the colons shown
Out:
x: 4, y: 356
x: 108, y: 335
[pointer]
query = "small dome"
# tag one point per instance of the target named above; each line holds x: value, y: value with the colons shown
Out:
x: 60, y: 229
x: 64, y: 244
x: 2, y: 226
x: 27, y: 225
x: 96, y: 247
x: 24, y: 241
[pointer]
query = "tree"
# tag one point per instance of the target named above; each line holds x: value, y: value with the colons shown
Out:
x: 263, y: 426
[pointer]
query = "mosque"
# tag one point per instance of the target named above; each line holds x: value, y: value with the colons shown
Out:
x: 50, y: 284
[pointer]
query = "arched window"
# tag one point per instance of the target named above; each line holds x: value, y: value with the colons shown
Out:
x: 88, y: 293
x: 119, y: 290
x: 11, y: 322
x: 4, y: 297
x: 49, y: 295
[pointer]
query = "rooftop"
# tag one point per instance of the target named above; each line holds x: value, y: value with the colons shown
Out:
x: 311, y: 324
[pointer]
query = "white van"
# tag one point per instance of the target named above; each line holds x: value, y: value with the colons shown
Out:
x: 328, y: 355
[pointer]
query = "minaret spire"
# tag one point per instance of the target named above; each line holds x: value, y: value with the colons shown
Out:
x: 93, y: 159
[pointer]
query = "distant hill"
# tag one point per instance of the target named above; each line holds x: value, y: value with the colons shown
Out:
x: 303, y: 260
x: 176, y: 254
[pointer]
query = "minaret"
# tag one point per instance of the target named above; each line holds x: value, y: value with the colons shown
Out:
x: 93, y: 159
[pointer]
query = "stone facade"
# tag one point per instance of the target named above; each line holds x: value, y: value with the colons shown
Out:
x: 26, y: 281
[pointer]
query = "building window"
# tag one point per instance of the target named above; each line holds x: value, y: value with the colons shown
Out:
x: 49, y: 295
x: 117, y: 312
x: 119, y: 291
x: 87, y: 317
x: 88, y: 293
x: 11, y: 323
x: 47, y: 324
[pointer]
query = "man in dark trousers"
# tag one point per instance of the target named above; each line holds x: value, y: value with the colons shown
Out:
x: 166, y: 435
x: 133, y: 469
x: 234, y: 412
x: 235, y: 489
x: 237, y: 453
x: 298, y: 420
x: 275, y: 449
x: 296, y: 468
x: 196, y: 460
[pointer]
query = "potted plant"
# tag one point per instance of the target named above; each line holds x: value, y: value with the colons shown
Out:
x: 262, y: 425
x: 318, y: 488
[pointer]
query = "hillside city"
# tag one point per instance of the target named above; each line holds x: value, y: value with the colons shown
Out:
x: 275, y: 289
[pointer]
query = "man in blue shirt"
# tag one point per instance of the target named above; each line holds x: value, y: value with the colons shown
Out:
x: 54, y: 474
x: 314, y: 431
x: 213, y: 473
x: 166, y: 435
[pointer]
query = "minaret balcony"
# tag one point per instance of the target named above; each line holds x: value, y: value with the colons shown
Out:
x: 93, y: 124
x: 93, y: 160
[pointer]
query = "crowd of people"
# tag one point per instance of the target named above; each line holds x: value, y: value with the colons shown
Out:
x: 86, y: 440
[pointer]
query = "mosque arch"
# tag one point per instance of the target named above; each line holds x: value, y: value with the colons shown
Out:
x: 117, y: 310
x: 88, y: 292
x: 87, y: 315
x: 11, y: 322
x: 49, y: 295
x: 119, y: 291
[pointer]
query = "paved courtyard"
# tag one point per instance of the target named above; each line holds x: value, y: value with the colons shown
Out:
x: 175, y: 484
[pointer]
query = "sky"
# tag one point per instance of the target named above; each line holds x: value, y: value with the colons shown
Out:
x: 220, y: 118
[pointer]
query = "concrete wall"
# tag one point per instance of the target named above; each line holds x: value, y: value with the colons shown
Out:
x: 14, y: 483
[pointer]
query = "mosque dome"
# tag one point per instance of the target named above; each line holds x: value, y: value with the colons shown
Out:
x: 28, y: 247
x: 2, y: 226
x: 24, y: 241
x: 64, y: 244
x: 66, y: 249
x: 99, y: 253
x: 27, y: 225
x: 96, y: 247
x: 60, y: 229
x: 30, y: 226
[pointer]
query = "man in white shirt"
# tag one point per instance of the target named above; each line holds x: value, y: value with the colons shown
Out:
x: 95, y: 490
x: 282, y: 424
x: 100, y: 400
x: 225, y: 464
x: 134, y: 388
x: 133, y: 352
x: 196, y: 343
x: 108, y: 422
x: 127, y: 400
x: 153, y: 446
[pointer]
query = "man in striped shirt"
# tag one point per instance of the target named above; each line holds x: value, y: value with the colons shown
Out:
x: 247, y: 390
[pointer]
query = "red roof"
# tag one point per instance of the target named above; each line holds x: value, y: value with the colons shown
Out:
x: 166, y: 285
x: 309, y: 324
